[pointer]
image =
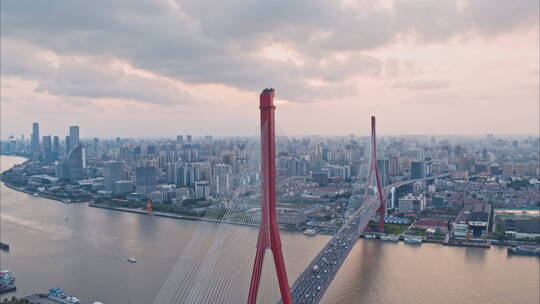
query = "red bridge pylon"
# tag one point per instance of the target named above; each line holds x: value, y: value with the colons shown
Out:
x: 374, y: 168
x: 268, y: 230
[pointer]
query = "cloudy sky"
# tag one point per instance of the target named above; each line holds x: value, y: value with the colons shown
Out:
x: 166, y: 67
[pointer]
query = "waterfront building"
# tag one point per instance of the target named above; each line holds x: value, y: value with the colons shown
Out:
x: 75, y: 163
x: 473, y: 220
x: 41, y: 180
x: 202, y: 189
x: 123, y: 187
x: 522, y: 228
x: 113, y: 171
x: 145, y: 179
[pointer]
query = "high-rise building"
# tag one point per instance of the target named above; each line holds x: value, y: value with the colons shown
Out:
x: 34, y: 139
x: 188, y: 138
x: 113, y: 171
x: 145, y: 179
x: 68, y: 145
x: 202, y: 189
x: 95, y: 144
x: 418, y: 170
x: 73, y: 135
x: 384, y: 171
x: 393, y: 166
x: 75, y: 162
x: 56, y: 145
x: 170, y: 170
x: 412, y: 204
x: 179, y: 139
x: 47, y: 148
x: 47, y: 144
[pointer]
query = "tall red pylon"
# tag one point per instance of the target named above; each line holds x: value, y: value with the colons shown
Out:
x: 268, y: 231
x: 374, y: 168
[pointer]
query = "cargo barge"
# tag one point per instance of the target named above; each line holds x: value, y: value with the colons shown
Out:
x: 524, y: 250
x: 467, y: 244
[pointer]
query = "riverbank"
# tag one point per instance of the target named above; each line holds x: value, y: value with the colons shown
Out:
x: 46, y: 196
x: 175, y: 216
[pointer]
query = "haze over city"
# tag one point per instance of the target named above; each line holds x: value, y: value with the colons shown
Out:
x: 155, y: 68
x: 248, y: 151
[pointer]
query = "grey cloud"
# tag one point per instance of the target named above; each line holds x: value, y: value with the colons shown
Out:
x: 213, y: 41
x: 90, y: 77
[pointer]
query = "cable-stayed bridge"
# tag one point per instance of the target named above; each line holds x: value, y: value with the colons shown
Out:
x: 206, y: 273
x: 312, y: 283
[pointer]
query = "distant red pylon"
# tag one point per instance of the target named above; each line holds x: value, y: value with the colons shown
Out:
x: 373, y: 168
x: 149, y: 207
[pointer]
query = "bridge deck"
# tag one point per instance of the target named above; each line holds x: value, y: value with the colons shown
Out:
x: 311, y: 284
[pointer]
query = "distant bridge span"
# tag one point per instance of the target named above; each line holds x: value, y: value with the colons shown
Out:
x: 312, y: 283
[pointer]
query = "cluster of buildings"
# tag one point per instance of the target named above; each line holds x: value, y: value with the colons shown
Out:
x: 319, y: 178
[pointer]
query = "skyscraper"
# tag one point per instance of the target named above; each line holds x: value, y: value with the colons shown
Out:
x: 145, y: 179
x: 68, y: 145
x: 73, y: 136
x: 75, y: 163
x: 34, y: 139
x: 47, y: 148
x: 95, y: 144
x: 418, y: 169
x: 56, y: 145
x: 113, y: 171
x: 47, y: 144
x: 384, y: 171
x: 179, y: 139
x: 393, y: 166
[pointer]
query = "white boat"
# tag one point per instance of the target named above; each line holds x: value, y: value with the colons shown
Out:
x: 390, y: 238
x: 7, y: 276
x: 310, y: 232
x: 370, y: 236
x: 412, y: 240
x: 35, y: 194
x: 131, y: 260
x: 73, y: 299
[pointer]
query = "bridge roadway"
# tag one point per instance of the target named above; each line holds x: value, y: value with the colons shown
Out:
x: 310, y: 286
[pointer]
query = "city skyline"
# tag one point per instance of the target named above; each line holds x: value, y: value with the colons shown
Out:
x: 201, y: 136
x: 246, y: 151
x: 471, y: 67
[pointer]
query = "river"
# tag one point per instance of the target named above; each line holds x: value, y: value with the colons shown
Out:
x: 85, y: 255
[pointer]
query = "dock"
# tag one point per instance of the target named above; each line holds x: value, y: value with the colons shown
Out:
x: 7, y: 287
